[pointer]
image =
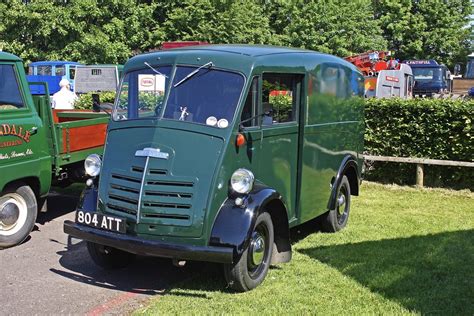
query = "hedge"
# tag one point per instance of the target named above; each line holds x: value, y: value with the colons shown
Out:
x: 424, y: 128
x: 85, y: 100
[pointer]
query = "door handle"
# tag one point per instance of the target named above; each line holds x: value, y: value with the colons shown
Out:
x: 33, y: 130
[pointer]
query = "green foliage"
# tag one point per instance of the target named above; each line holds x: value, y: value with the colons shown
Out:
x: 426, y: 29
x: 282, y: 106
x: 217, y: 22
x: 110, y: 31
x: 85, y: 100
x: 92, y: 31
x: 425, y: 128
x: 327, y: 26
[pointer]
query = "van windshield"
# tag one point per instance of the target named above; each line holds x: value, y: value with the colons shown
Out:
x: 208, y: 97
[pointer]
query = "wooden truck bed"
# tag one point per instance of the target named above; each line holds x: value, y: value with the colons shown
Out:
x: 79, y: 130
x: 74, y: 134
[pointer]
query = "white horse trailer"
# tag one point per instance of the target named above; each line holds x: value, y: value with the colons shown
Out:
x: 395, y: 83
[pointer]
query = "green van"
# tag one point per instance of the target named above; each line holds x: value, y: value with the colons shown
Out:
x: 214, y: 152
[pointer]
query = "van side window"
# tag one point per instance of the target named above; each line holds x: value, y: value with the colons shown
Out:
x: 251, y: 105
x: 280, y: 97
x: 44, y: 70
x: 10, y: 94
x: 60, y: 71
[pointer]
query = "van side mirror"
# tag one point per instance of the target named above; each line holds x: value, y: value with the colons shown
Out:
x: 96, y: 102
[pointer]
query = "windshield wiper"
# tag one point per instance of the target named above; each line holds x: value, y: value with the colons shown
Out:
x: 156, y: 71
x: 209, y: 64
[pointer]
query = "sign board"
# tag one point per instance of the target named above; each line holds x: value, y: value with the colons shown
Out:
x: 391, y: 78
x: 152, y: 83
x: 421, y: 62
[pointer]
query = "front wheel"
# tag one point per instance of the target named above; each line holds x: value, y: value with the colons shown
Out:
x: 336, y: 219
x: 252, y: 267
x: 18, y: 211
x: 109, y: 258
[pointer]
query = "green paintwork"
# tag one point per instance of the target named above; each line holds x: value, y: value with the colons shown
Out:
x: 299, y: 159
x: 38, y: 160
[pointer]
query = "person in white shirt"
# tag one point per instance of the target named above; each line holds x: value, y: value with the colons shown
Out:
x: 64, y: 99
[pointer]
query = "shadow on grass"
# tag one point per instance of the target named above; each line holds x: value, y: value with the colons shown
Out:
x: 432, y: 274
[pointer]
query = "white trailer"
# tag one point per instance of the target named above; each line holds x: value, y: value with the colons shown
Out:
x: 395, y: 83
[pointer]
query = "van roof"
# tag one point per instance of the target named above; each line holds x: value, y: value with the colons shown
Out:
x: 238, y: 57
x: 53, y: 63
x: 248, y: 50
x: 9, y: 57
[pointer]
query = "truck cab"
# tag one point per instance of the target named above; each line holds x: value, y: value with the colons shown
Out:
x: 51, y: 72
x: 430, y: 77
x: 215, y: 152
x: 38, y: 147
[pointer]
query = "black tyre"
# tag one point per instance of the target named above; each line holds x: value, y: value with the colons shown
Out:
x: 252, y: 267
x: 336, y: 219
x: 18, y: 211
x: 109, y: 258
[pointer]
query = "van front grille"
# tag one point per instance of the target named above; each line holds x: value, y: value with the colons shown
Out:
x: 165, y: 199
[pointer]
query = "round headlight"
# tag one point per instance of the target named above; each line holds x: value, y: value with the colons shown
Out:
x: 242, y: 181
x: 92, y: 165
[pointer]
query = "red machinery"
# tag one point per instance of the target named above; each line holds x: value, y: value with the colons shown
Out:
x: 371, y: 62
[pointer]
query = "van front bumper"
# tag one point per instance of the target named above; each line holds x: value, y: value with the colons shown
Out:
x: 149, y: 247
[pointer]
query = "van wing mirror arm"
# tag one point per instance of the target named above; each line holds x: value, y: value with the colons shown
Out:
x: 241, y: 126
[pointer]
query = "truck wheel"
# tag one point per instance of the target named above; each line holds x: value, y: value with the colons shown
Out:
x: 336, y: 219
x: 109, y: 258
x: 18, y: 211
x: 252, y: 267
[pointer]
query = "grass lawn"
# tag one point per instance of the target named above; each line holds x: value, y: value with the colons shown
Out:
x: 404, y: 251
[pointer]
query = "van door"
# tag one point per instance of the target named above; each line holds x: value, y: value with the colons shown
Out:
x: 278, y: 161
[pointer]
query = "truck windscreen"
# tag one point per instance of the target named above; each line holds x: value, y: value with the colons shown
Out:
x: 209, y: 97
x: 10, y: 95
x: 428, y: 73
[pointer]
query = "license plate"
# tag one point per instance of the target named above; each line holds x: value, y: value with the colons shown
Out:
x: 101, y: 221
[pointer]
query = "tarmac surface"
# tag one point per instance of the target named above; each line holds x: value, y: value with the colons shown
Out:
x: 51, y: 273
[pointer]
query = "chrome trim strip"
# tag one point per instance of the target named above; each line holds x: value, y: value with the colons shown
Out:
x: 141, y: 189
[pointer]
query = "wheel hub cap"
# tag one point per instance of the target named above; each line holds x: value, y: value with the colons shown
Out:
x: 341, y: 201
x: 257, y: 249
x: 9, y: 214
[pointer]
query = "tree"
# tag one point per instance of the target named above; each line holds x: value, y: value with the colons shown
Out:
x: 217, y: 21
x: 327, y: 26
x: 426, y: 29
x: 104, y: 31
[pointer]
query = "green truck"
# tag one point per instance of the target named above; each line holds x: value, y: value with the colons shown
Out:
x: 38, y: 147
x: 214, y: 152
